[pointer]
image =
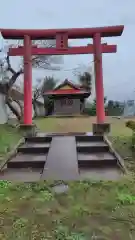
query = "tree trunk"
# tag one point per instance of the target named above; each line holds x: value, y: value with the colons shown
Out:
x: 82, y: 106
x: 21, y: 108
x: 13, y: 109
x: 35, y: 109
x: 14, y: 78
x: 9, y: 101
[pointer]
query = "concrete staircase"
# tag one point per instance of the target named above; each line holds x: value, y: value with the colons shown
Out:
x: 32, y: 154
x: 64, y: 157
x: 94, y: 152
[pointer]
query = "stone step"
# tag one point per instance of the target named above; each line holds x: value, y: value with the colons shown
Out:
x: 98, y: 174
x: 63, y: 134
x: 27, y: 161
x: 90, y: 147
x: 21, y: 175
x: 30, y: 148
x: 90, y: 144
x: 96, y: 160
x: 39, y: 139
x: 88, y: 138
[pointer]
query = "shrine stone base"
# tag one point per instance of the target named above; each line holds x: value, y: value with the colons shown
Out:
x: 101, y: 128
x: 28, y: 130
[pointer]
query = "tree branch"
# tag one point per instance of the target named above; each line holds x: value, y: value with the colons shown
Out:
x: 13, y: 79
x: 13, y: 109
x: 9, y: 68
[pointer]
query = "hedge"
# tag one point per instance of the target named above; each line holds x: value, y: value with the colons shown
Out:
x: 131, y: 124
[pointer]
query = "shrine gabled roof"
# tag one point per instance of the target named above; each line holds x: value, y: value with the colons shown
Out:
x: 67, y: 83
x: 68, y: 88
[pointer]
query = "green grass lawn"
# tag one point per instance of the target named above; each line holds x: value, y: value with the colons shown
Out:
x: 105, y: 210
x: 80, y: 125
x: 9, y: 136
x: 34, y: 211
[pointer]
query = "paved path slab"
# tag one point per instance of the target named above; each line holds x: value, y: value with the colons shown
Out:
x: 61, y: 161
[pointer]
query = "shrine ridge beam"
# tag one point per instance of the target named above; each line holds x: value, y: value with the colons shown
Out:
x: 73, y: 33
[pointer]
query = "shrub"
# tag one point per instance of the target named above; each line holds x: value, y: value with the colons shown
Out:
x: 131, y: 124
x: 90, y: 111
x: 133, y: 140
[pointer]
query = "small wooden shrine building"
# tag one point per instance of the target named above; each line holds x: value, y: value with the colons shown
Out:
x: 68, y: 98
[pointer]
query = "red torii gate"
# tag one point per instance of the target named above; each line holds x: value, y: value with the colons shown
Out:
x: 62, y: 48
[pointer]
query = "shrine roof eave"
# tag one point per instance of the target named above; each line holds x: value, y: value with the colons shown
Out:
x: 79, y: 94
x: 73, y: 33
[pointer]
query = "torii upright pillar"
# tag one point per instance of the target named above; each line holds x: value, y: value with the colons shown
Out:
x: 99, y: 79
x: 27, y: 81
x: 100, y: 127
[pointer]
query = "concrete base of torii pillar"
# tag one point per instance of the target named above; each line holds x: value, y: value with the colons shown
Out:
x: 28, y: 130
x: 100, y: 128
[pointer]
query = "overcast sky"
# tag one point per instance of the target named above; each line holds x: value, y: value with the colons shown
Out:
x: 119, y: 68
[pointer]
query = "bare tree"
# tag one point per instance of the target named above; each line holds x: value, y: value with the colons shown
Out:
x: 47, y: 84
x: 9, y: 75
x: 85, y: 81
x: 37, y: 93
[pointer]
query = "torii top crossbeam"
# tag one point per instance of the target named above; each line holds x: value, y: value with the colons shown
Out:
x: 73, y: 33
